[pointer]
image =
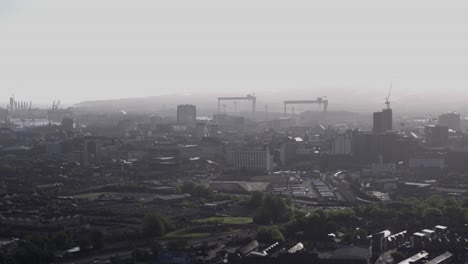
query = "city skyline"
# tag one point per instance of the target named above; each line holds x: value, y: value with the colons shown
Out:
x: 116, y: 49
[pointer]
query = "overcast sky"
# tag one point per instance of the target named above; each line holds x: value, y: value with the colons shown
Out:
x: 101, y: 49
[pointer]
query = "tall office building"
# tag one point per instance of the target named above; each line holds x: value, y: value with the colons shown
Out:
x: 450, y: 120
x: 383, y: 121
x: 12, y: 105
x: 187, y: 115
x: 436, y: 136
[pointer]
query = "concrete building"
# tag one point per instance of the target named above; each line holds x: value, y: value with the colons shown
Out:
x: 288, y: 152
x: 341, y: 145
x: 67, y: 124
x: 257, y: 160
x: 436, y: 136
x: 3, y: 115
x: 427, y: 160
x: 187, y: 115
x: 383, y: 121
x: 368, y: 147
x: 450, y: 120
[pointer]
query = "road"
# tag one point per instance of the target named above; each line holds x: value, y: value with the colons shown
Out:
x: 125, y: 249
x: 337, y: 180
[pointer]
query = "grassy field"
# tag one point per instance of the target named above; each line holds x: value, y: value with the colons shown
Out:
x: 186, y: 233
x: 224, y: 220
x: 270, y: 178
x: 191, y: 233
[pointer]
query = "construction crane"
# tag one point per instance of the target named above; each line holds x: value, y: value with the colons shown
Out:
x: 249, y: 97
x: 320, y: 100
x: 387, y: 99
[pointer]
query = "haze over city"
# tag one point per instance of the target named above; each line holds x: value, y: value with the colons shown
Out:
x: 238, y: 132
x: 88, y: 50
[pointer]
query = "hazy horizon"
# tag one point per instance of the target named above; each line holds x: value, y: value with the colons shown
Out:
x: 348, y: 51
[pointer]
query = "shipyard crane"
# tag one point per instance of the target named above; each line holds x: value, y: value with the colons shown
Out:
x: 320, y: 100
x: 249, y: 97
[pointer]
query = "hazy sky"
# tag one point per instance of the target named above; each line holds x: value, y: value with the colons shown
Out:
x: 99, y: 49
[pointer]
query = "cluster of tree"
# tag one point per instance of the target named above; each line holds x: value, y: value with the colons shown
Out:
x: 317, y: 225
x: 34, y: 249
x: 413, y: 213
x: 42, y: 249
x: 91, y: 240
x: 454, y: 180
x: 156, y: 225
x: 202, y: 192
x: 197, y: 190
x: 269, y: 234
x: 271, y: 209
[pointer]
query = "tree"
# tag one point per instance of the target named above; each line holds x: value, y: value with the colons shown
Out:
x: 256, y: 199
x: 84, y: 241
x: 152, y: 225
x: 33, y: 250
x: 178, y: 244
x: 156, y: 249
x: 156, y: 224
x: 61, y: 240
x: 269, y: 235
x: 274, y: 210
x: 97, y: 239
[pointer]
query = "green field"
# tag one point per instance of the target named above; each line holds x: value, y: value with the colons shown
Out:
x: 225, y: 220
x: 186, y: 233
x: 191, y: 233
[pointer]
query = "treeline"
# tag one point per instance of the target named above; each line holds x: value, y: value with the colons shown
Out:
x: 42, y: 249
x: 155, y: 224
x: 414, y: 214
x: 411, y: 214
x: 271, y: 209
x: 202, y: 192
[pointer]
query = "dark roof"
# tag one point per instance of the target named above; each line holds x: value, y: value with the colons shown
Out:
x: 351, y: 252
x: 441, y: 258
x: 248, y: 248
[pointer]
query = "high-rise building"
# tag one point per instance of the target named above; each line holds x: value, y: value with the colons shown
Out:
x: 341, y: 144
x: 187, y: 115
x: 450, y: 120
x: 436, y: 136
x: 383, y: 121
x: 12, y: 104
x: 3, y: 115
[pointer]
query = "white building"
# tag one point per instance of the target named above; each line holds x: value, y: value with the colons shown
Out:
x: 250, y: 160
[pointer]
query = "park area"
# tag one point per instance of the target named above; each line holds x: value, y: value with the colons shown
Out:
x: 224, y: 220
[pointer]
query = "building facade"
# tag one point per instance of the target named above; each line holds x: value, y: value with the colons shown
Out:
x: 436, y: 136
x: 383, y: 121
x: 450, y: 120
x: 187, y: 115
x: 256, y: 160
